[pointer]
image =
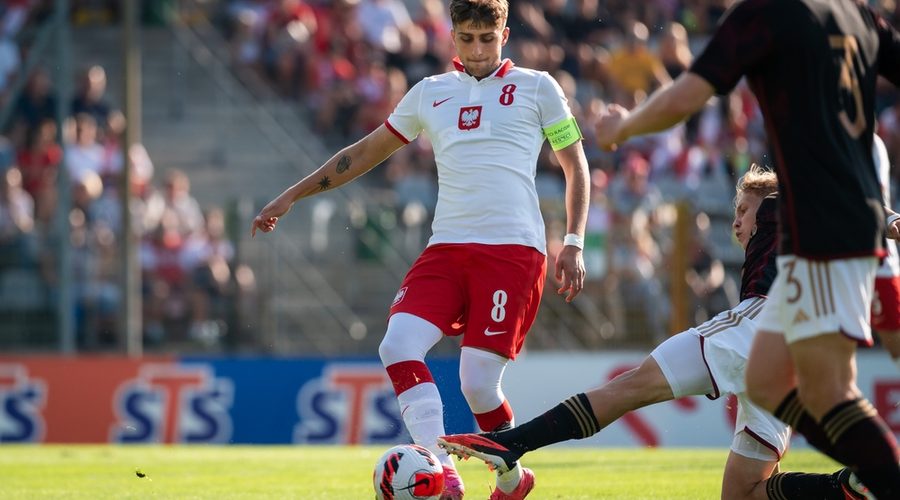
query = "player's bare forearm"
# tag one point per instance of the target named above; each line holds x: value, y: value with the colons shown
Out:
x: 578, y: 195
x: 668, y: 106
x: 570, y: 261
x: 348, y: 164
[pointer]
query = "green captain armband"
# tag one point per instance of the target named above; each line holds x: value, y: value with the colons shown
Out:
x: 563, y: 134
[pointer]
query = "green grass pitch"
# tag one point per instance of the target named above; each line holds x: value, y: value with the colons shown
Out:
x: 100, y: 472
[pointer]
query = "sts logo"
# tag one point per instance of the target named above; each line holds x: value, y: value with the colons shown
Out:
x: 21, y: 402
x: 173, y: 404
x: 349, y: 404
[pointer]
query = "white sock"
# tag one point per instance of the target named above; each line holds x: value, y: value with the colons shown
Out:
x: 508, y: 481
x: 423, y: 414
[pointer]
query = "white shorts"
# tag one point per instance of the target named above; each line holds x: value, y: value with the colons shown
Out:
x: 811, y: 297
x: 711, y: 360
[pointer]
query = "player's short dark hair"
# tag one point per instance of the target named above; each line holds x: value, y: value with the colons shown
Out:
x: 480, y: 13
x: 759, y: 180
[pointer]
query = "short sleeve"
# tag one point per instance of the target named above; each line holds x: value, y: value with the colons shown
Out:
x: 404, y: 122
x: 741, y: 41
x: 551, y: 101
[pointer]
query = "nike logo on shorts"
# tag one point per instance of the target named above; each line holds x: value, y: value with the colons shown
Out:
x: 489, y: 333
x: 438, y: 103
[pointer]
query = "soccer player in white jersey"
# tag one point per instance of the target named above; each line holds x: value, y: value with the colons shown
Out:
x: 886, y: 300
x: 483, y: 270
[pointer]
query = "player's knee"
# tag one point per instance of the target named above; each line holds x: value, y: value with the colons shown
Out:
x: 390, y: 350
x: 480, y: 394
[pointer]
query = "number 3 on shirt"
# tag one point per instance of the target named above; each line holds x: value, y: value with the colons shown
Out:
x: 498, y: 312
x: 507, y: 97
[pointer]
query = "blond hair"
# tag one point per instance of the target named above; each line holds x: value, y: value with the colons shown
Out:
x: 759, y: 180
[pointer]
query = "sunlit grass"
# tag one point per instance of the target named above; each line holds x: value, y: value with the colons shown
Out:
x: 344, y: 473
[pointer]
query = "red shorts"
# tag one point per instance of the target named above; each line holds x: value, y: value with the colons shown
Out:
x: 489, y: 292
x: 886, y: 304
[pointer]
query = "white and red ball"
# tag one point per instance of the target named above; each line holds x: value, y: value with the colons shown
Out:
x: 408, y: 472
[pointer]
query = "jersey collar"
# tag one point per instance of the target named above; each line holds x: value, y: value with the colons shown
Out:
x: 504, y: 68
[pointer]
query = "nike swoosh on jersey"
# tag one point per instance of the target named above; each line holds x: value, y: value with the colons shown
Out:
x: 488, y: 332
x: 438, y: 103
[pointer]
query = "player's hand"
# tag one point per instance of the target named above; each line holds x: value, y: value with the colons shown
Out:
x: 893, y: 230
x: 570, y: 271
x: 608, y: 127
x: 269, y: 215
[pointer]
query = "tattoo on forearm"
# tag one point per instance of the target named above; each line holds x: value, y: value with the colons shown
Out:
x: 344, y: 164
x: 325, y: 183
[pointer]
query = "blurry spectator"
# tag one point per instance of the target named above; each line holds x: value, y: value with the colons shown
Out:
x: 37, y: 101
x: 383, y: 23
x: 714, y: 290
x: 413, y: 175
x: 147, y: 204
x: 89, y: 99
x: 94, y: 266
x: 674, y: 51
x: 10, y: 62
x: 635, y: 71
x: 596, y: 233
x: 39, y: 163
x: 163, y: 278
x: 207, y: 259
x: 632, y: 191
x: 381, y: 91
x: 84, y: 156
x: 288, y: 46
x: 338, y: 31
x: 634, y: 253
x: 435, y: 23
x: 186, y: 218
x: 14, y: 14
x: 337, y: 99
x: 16, y: 222
x: 246, y: 40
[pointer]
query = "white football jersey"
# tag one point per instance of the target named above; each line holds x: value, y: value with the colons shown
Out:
x: 486, y: 137
x: 891, y: 264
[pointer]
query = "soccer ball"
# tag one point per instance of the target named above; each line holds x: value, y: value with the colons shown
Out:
x: 408, y: 472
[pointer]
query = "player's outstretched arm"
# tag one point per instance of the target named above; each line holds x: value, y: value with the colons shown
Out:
x: 346, y: 165
x: 663, y: 109
x: 570, y: 261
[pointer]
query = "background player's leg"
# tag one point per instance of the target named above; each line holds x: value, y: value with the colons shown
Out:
x: 860, y: 439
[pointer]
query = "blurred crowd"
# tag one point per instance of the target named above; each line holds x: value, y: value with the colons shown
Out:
x: 348, y: 62
x: 189, y: 275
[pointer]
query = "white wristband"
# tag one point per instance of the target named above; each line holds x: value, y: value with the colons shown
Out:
x: 574, y: 240
x: 891, y: 218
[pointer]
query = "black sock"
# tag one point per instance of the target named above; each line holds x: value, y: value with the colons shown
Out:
x: 571, y: 419
x: 792, y: 412
x: 862, y: 441
x: 801, y: 486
